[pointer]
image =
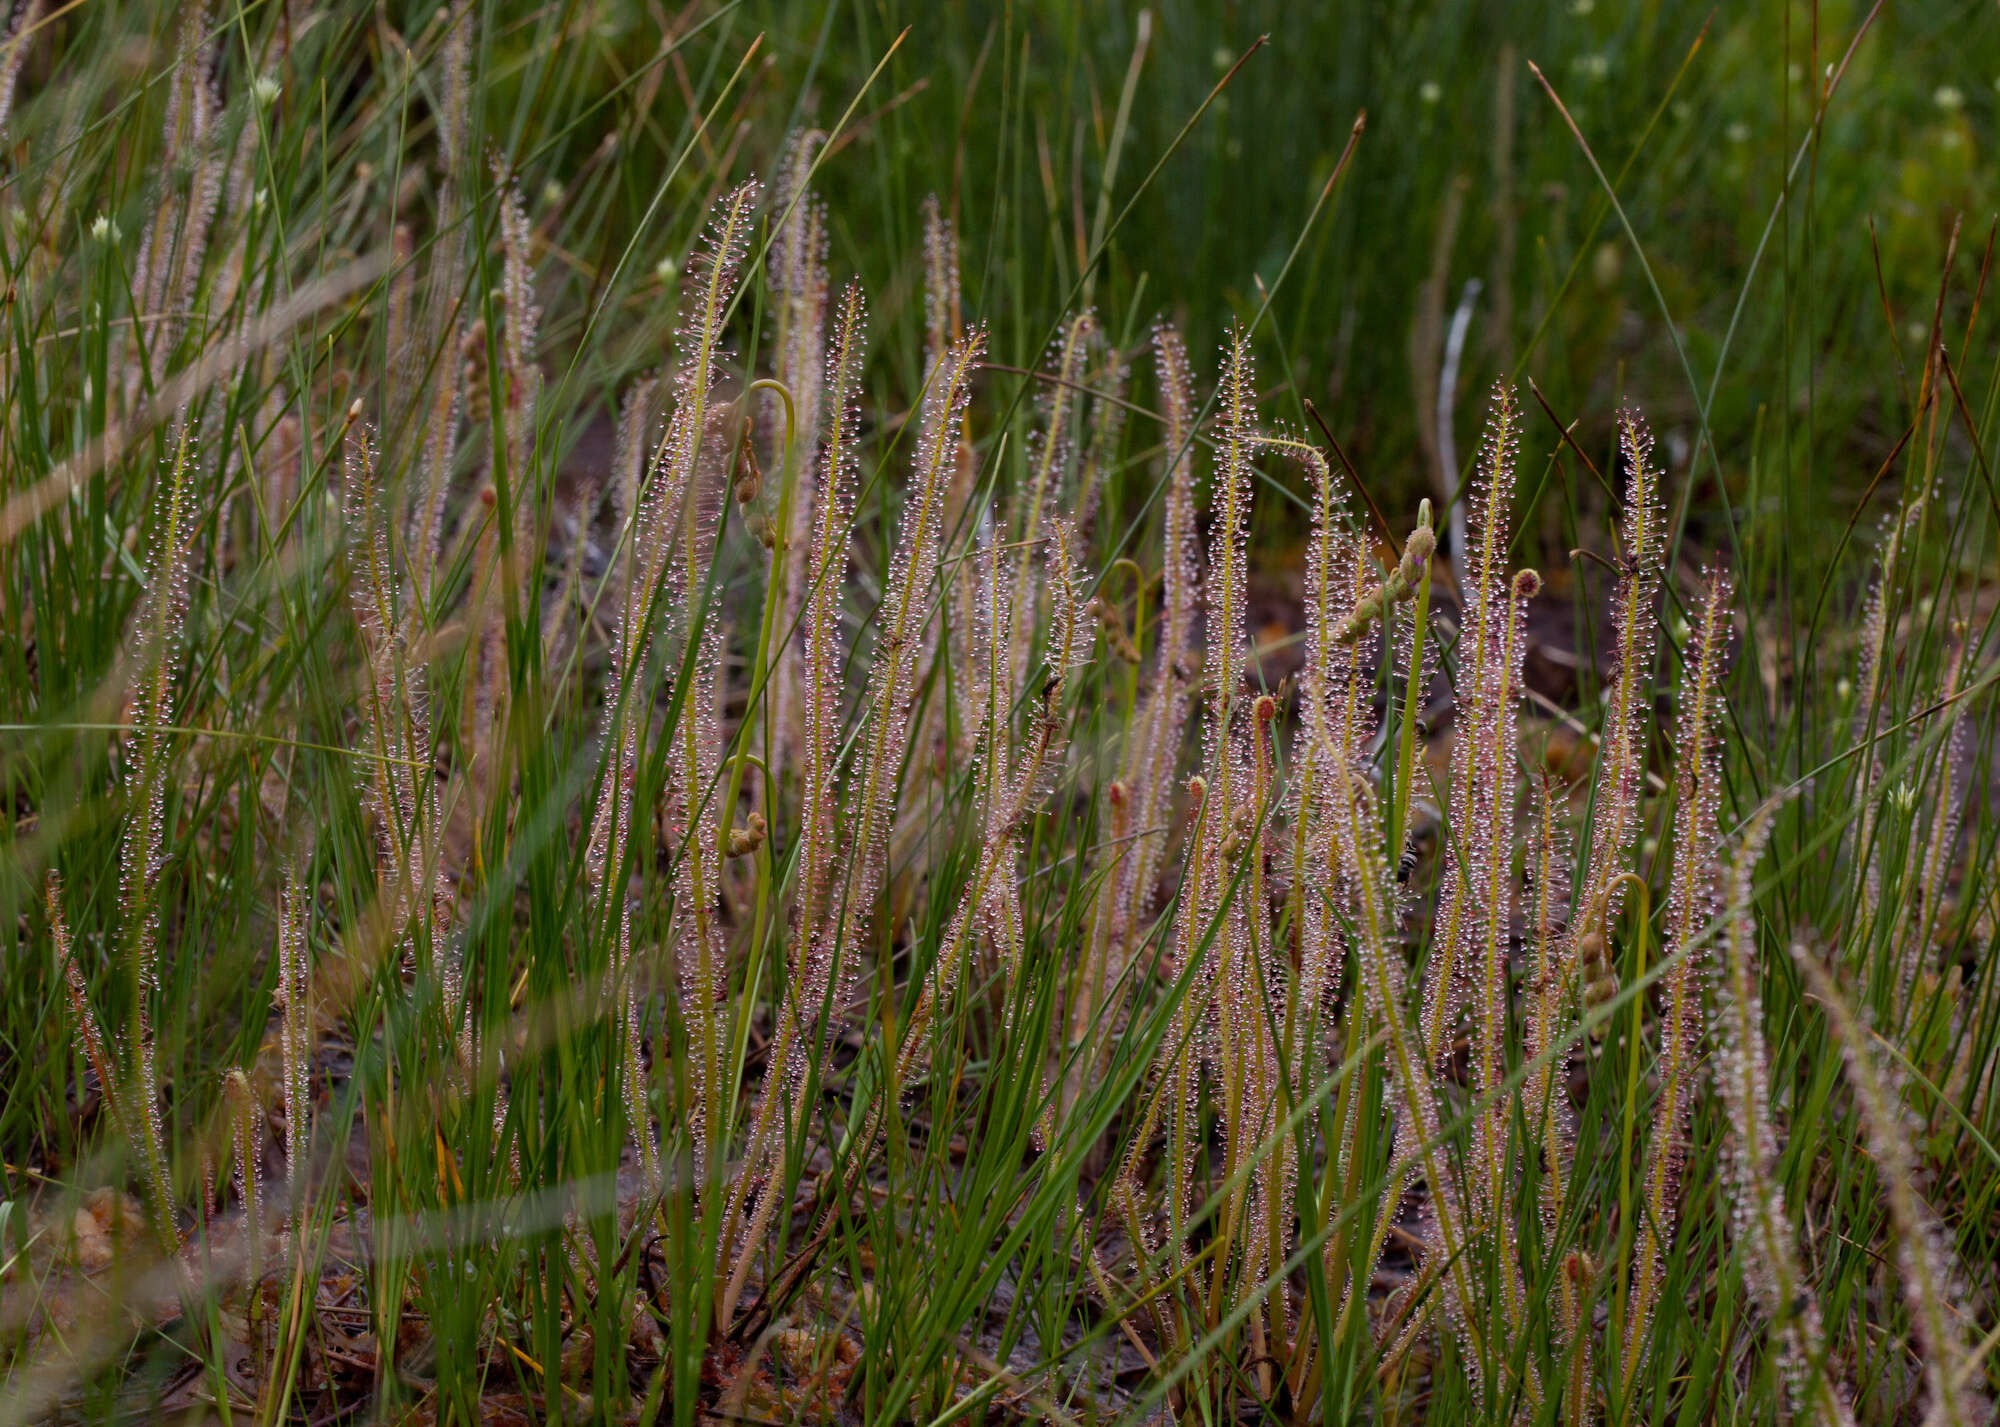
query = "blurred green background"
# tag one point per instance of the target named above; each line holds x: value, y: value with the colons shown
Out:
x: 1466, y: 171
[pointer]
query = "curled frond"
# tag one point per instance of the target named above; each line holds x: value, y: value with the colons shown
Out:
x: 20, y: 33
x: 89, y: 1030
x: 693, y: 832
x: 798, y: 278
x: 1741, y: 1071
x: 295, y: 1026
x: 992, y: 898
x: 1165, y: 715
x: 1040, y: 754
x: 1872, y: 687
x: 1621, y: 760
x: 1925, y: 1272
x: 393, y: 707
x: 1927, y: 872
x: 676, y: 516
x: 1051, y: 461
x: 157, y: 640
x: 1176, y: 678
x: 1692, y: 902
x: 398, y: 750
x: 1484, y: 615
x: 1329, y: 529
x: 902, y: 622
x: 517, y: 347
x: 1545, y: 1095
x: 825, y: 571
x: 454, y: 115
x: 246, y: 1117
x: 673, y: 536
x: 437, y: 398
x: 1229, y: 543
x: 1492, y: 498
x: 1106, y: 427
x: 802, y: 1023
x: 1215, y: 931
x: 797, y: 260
x: 168, y: 269
x: 1334, y: 681
x: 1419, y: 1147
x: 1139, y: 798
x: 943, y: 322
x: 1487, y: 838
x: 611, y: 826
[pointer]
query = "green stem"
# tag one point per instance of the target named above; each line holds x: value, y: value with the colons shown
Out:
x: 1631, y: 1120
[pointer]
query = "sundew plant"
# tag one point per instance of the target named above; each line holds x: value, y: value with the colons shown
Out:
x: 631, y: 797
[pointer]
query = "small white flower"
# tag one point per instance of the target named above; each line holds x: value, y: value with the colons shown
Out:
x: 1606, y: 263
x: 104, y: 230
x: 1794, y: 72
x: 1904, y: 796
x: 666, y: 269
x: 1593, y: 66
x: 1223, y: 57
x: 1843, y: 689
x: 1580, y: 8
x: 1430, y: 91
x: 552, y: 193
x: 1948, y: 97
x: 1949, y: 138
x: 1738, y: 132
x: 265, y: 89
x: 1925, y: 606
